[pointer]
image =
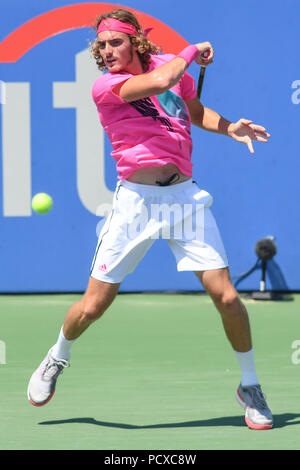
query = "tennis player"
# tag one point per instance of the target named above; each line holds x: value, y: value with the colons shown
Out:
x: 146, y: 103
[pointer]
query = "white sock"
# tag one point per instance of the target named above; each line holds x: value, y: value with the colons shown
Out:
x: 247, y: 365
x: 61, y: 350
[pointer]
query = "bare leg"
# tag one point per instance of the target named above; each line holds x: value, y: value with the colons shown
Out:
x: 97, y: 298
x: 233, y: 313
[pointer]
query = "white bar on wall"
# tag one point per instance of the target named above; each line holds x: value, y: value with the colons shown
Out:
x: 16, y: 150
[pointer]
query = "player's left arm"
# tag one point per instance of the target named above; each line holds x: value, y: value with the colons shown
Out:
x: 242, y: 131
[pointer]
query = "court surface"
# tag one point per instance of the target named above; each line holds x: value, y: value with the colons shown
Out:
x: 155, y: 372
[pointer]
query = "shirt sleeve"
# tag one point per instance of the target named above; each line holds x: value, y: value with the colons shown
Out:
x: 102, y: 91
x: 188, y: 87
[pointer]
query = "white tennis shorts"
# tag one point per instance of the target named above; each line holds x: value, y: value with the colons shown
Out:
x: 141, y: 214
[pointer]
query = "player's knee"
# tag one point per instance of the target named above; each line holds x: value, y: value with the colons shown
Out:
x: 94, y: 305
x: 92, y: 312
x: 227, y: 299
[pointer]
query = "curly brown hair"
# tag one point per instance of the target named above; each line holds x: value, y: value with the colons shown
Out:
x: 144, y: 47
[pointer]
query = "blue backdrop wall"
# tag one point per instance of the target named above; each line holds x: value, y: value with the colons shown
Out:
x: 51, y: 140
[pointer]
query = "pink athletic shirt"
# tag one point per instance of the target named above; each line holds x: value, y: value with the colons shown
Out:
x: 147, y: 132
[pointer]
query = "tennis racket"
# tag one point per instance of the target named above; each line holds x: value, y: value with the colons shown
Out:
x: 201, y: 75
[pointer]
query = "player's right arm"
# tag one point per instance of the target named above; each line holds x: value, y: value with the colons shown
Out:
x: 162, y: 78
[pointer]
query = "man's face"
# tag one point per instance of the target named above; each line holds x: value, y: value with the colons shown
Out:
x: 116, y: 50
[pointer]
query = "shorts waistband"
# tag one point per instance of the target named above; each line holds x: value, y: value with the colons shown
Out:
x: 153, y: 189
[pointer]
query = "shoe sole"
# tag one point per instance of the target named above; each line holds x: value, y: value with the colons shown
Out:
x: 250, y: 424
x: 40, y: 404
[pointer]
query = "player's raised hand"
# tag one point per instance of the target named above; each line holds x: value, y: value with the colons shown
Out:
x: 245, y: 131
x: 206, y: 53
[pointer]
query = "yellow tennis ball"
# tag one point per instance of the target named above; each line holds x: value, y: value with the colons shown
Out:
x: 42, y: 203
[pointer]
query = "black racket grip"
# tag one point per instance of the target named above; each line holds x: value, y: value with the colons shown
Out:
x: 200, y: 81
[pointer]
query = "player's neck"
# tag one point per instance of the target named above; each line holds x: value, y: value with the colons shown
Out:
x: 134, y: 66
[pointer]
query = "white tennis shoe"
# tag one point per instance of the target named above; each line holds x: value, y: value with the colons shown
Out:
x: 257, y: 415
x: 42, y: 383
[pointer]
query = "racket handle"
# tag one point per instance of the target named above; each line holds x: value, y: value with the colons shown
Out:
x: 201, y: 75
x: 200, y: 81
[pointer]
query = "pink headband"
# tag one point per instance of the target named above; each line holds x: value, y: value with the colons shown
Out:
x: 111, y: 24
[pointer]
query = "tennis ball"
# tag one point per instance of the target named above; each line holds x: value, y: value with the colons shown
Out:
x: 42, y: 203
